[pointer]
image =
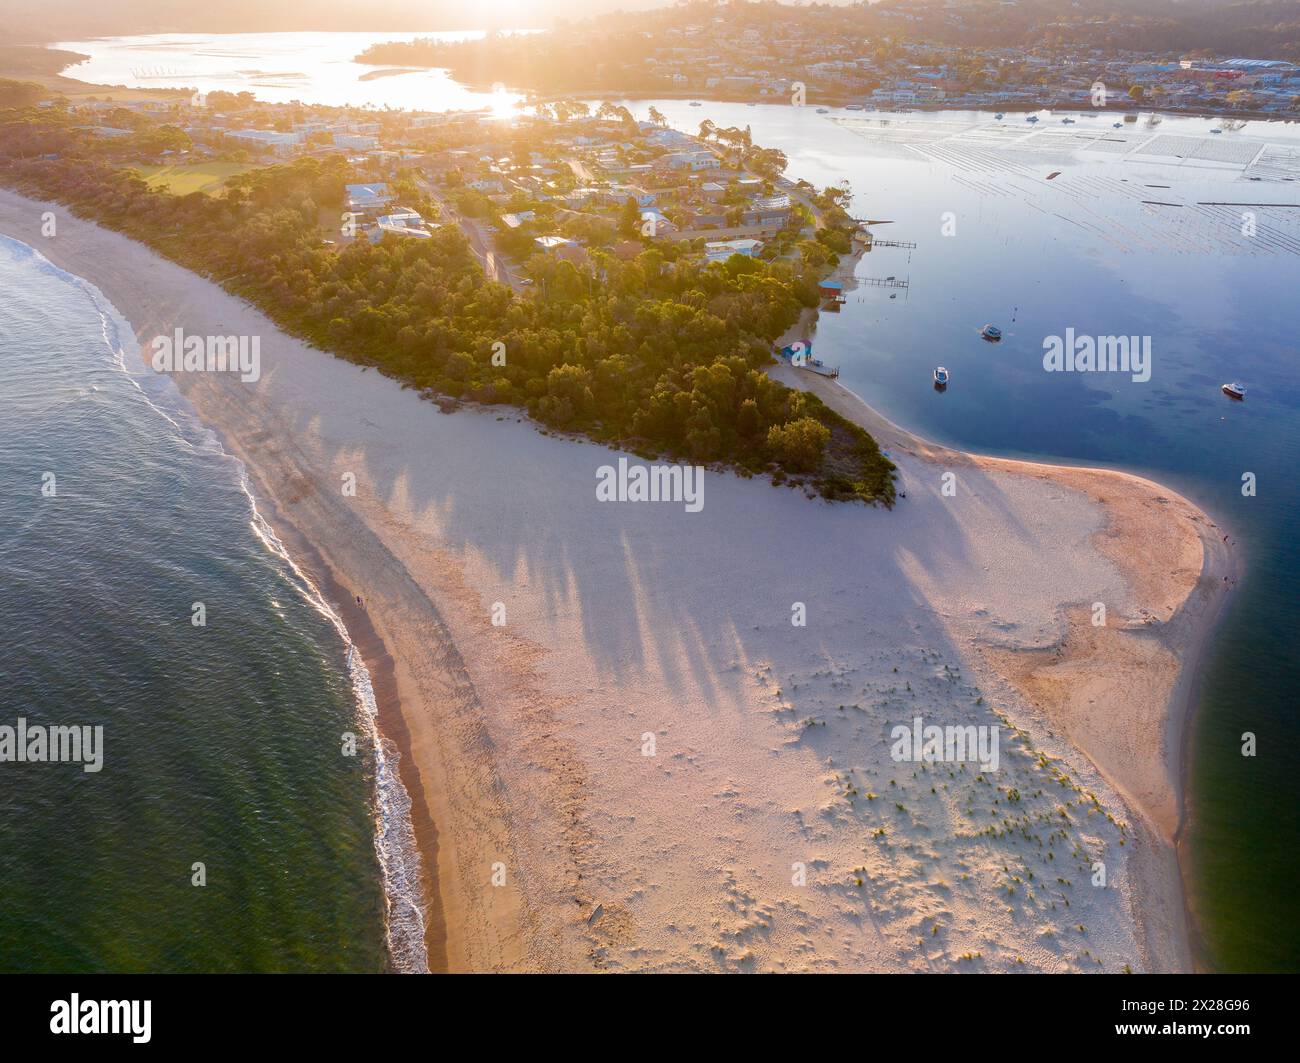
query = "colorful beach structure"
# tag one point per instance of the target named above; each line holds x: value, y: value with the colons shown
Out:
x: 832, y: 295
x: 799, y: 354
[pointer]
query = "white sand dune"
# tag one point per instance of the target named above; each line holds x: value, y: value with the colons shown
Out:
x: 770, y: 829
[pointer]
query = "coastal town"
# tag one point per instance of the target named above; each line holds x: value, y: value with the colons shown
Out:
x: 886, y: 56
x: 561, y: 185
x: 518, y: 222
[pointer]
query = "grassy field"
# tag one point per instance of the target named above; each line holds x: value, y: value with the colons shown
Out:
x: 206, y: 177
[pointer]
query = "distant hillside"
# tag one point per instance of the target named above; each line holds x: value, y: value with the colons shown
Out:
x: 1261, y: 27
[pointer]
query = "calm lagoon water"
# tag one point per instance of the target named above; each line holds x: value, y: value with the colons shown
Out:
x: 222, y: 744
x: 280, y: 68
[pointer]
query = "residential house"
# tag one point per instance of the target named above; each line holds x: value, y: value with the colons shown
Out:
x: 571, y: 252
x: 774, y: 211
x: 401, y: 222
x: 355, y: 142
x: 282, y: 144
x: 689, y: 160
x: 709, y: 220
x: 368, y: 199
x: 620, y: 194
x: 654, y: 223
x: 551, y: 244
x: 721, y: 250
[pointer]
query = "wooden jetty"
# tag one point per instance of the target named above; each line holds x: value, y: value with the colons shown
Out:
x: 799, y: 355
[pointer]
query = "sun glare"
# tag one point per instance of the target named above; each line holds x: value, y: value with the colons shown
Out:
x: 502, y: 102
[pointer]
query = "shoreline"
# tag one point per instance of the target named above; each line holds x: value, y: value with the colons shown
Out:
x: 62, y: 82
x: 380, y: 665
x: 1220, y: 564
x: 454, y: 757
x: 1190, y: 685
x: 1019, y: 107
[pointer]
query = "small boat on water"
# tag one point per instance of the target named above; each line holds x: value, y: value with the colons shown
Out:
x: 991, y: 333
x: 823, y: 110
x: 1032, y: 118
x: 940, y: 377
x: 999, y: 116
x: 1235, y: 390
x: 1117, y: 125
x: 696, y: 103
x: 853, y: 107
x: 1067, y: 121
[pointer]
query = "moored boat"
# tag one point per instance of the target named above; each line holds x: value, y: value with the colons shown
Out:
x: 940, y: 377
x: 1235, y: 390
x: 991, y: 333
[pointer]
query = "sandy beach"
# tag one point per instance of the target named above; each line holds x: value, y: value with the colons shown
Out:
x: 621, y: 752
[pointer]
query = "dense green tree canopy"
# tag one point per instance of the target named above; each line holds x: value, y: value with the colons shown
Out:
x: 661, y: 356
